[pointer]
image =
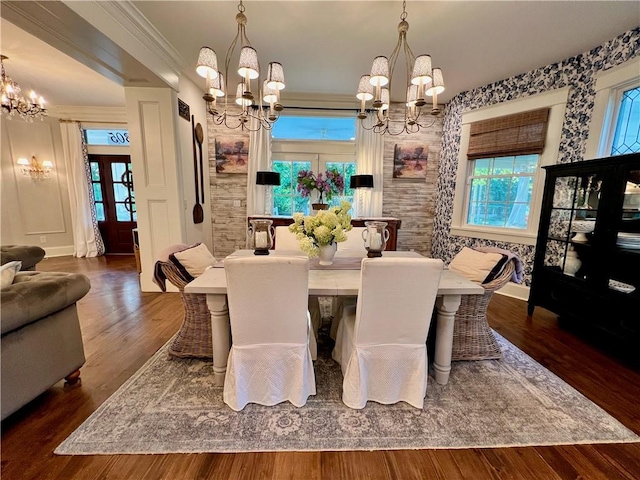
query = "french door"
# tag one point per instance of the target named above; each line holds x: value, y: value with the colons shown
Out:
x: 115, y: 206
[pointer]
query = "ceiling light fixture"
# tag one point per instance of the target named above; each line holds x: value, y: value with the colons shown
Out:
x: 422, y: 80
x: 15, y: 104
x: 248, y: 69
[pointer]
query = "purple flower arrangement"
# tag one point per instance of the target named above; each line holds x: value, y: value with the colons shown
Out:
x: 328, y: 184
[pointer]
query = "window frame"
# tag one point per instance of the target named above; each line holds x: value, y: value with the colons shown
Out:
x: 609, y: 86
x: 556, y: 100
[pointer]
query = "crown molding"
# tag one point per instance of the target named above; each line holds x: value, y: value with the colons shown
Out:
x: 125, y: 25
x: 88, y: 114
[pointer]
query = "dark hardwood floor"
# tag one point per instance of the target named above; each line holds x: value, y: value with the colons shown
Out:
x: 123, y: 327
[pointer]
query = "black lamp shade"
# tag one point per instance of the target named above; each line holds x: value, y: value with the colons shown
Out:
x: 361, y: 181
x: 267, y: 178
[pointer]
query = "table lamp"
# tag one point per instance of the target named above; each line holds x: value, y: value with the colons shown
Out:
x: 267, y: 178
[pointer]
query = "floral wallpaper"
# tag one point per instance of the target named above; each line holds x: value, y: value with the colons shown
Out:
x: 578, y: 73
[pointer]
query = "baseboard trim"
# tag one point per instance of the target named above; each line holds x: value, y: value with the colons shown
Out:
x: 515, y: 290
x: 58, y: 251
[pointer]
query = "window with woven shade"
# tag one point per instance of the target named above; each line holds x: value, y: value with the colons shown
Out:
x: 499, y: 181
x: 518, y: 134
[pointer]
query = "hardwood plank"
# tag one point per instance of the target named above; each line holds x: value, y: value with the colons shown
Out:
x: 122, y: 328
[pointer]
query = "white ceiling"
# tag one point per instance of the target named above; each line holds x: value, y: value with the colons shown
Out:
x: 326, y: 45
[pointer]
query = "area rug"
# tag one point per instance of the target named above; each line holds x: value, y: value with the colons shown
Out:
x: 170, y: 406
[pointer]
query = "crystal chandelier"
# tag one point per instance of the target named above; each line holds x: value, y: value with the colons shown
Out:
x: 422, y: 80
x: 248, y: 69
x: 15, y: 104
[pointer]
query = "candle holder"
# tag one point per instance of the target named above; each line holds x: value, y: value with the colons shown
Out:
x: 261, y: 236
x: 375, y: 237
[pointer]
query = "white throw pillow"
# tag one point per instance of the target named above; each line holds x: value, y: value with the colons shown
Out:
x: 477, y: 266
x: 8, y: 272
x: 194, y: 260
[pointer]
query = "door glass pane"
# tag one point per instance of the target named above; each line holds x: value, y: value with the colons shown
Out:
x: 564, y: 192
x: 120, y: 192
x: 122, y: 214
x: 97, y: 192
x: 631, y: 203
x: 100, y: 212
x: 117, y: 169
x: 95, y: 171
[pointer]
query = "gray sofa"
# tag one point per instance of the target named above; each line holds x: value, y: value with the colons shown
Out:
x: 29, y: 255
x: 41, y: 341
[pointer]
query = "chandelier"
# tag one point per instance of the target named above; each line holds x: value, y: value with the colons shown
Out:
x: 422, y: 80
x: 248, y: 69
x: 15, y: 104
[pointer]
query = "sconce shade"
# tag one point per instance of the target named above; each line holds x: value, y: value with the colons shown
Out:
x: 269, y: 95
x: 421, y: 70
x: 380, y: 71
x: 207, y: 63
x: 384, y: 96
x: 412, y: 95
x: 275, y: 76
x: 361, y: 181
x: 365, y: 89
x: 243, y: 102
x: 248, y: 63
x: 438, y: 83
x: 267, y: 178
x: 217, y: 86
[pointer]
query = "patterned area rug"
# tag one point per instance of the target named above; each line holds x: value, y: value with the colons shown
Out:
x: 170, y: 406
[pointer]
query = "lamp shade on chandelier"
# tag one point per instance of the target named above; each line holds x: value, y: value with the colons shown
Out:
x: 216, y: 91
x: 422, y: 81
x: 13, y: 103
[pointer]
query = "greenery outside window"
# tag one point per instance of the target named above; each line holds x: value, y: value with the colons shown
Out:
x: 316, y: 143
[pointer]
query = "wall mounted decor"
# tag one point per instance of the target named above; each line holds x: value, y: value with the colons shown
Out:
x: 410, y: 160
x: 232, y: 154
x: 183, y: 110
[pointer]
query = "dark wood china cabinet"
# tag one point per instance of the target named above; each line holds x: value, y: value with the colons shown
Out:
x: 587, y: 260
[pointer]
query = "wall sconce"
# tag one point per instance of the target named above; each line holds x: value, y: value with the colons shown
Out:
x: 34, y: 169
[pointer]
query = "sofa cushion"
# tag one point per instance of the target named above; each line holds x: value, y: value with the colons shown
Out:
x: 29, y: 255
x: 34, y: 295
x: 8, y: 272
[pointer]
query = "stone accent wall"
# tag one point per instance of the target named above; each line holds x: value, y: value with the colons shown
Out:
x: 228, y: 223
x: 413, y: 201
x: 579, y: 73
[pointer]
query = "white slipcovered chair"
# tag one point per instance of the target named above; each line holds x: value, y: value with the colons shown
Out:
x: 354, y: 240
x: 270, y: 359
x: 286, y: 240
x: 381, y: 342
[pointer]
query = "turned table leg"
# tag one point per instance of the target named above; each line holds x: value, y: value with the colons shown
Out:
x: 221, y: 335
x: 446, y: 306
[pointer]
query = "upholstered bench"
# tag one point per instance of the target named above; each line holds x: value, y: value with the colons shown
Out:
x: 41, y: 341
x: 29, y: 255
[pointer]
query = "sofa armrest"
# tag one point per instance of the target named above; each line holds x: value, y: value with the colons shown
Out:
x: 34, y: 295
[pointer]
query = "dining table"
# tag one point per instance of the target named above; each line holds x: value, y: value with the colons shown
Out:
x: 340, y: 279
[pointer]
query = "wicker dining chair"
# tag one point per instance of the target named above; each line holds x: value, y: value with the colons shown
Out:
x: 473, y: 338
x: 194, y: 337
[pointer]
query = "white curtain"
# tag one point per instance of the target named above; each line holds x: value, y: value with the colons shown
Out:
x: 259, y: 160
x: 369, y: 150
x: 87, y: 241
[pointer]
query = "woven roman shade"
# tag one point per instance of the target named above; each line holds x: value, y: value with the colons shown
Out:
x: 517, y: 134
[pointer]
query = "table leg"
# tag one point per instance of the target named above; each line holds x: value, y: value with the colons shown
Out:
x: 221, y: 335
x: 446, y: 306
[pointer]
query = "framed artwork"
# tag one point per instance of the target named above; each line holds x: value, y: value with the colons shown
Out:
x: 232, y: 154
x: 410, y: 161
x: 183, y: 110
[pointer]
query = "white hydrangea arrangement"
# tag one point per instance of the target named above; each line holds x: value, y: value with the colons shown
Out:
x: 324, y: 228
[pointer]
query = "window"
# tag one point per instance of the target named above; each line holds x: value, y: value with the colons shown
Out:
x: 500, y: 191
x: 310, y: 143
x: 97, y: 191
x: 626, y: 135
x: 111, y: 137
x: 615, y: 121
x: 498, y: 196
